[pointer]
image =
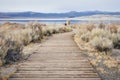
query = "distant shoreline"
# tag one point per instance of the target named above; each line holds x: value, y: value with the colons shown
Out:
x: 60, y: 19
x: 94, y: 18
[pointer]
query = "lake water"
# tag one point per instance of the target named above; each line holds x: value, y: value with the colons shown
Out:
x: 41, y: 21
x: 45, y: 21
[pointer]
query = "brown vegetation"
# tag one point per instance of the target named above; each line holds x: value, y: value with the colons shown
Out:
x: 100, y: 37
x: 103, y: 38
x: 14, y: 36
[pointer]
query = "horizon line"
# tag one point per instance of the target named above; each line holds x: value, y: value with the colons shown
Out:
x: 60, y: 12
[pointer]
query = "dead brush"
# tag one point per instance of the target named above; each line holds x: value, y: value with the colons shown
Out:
x: 102, y: 44
x: 90, y: 27
x: 3, y: 49
x: 115, y: 37
x: 15, y: 37
x: 102, y: 26
x: 100, y: 33
x: 112, y: 28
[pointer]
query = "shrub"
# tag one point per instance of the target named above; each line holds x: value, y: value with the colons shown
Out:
x: 118, y: 30
x: 9, y: 47
x: 68, y: 29
x: 102, y: 38
x: 47, y: 31
x: 102, y: 44
x: 64, y: 29
x: 116, y: 40
x: 51, y: 29
x: 82, y: 31
x: 15, y: 37
x: 90, y: 27
x: 101, y: 26
x: 36, y: 31
x: 85, y: 37
x: 100, y: 33
x: 3, y: 49
x: 55, y: 31
x: 113, y: 28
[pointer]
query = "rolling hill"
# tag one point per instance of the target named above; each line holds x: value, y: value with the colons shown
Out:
x: 71, y: 14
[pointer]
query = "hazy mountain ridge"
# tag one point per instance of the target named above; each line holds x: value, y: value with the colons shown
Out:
x: 53, y: 15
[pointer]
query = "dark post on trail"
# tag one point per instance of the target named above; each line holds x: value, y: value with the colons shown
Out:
x: 67, y: 23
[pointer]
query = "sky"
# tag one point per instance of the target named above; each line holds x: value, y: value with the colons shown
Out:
x: 52, y: 6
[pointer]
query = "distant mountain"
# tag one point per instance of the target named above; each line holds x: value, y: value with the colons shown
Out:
x: 53, y: 15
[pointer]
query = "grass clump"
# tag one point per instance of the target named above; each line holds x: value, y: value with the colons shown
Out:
x: 52, y: 29
x: 100, y: 33
x: 102, y: 44
x: 85, y: 37
x: 116, y: 40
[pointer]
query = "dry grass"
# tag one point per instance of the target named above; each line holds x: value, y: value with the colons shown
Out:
x: 13, y: 38
x: 102, y: 37
x: 102, y: 44
x: 95, y: 43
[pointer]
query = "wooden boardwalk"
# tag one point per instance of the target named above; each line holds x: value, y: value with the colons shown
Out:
x: 58, y: 58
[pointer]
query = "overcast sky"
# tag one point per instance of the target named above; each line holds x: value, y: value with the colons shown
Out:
x: 59, y: 5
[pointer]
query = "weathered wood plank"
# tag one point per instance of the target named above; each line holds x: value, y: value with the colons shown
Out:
x: 58, y: 58
x: 54, y: 79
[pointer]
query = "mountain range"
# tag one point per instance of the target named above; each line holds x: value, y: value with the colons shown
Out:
x: 70, y: 14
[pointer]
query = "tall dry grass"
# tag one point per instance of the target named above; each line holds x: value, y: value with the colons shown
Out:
x: 103, y: 37
x: 13, y: 38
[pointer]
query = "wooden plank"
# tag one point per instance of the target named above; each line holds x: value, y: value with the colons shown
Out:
x: 55, y: 69
x: 54, y: 79
x: 57, y: 72
x: 35, y: 75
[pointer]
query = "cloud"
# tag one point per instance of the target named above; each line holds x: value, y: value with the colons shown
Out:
x: 59, y: 5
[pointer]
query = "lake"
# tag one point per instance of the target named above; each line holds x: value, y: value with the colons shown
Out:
x: 56, y: 21
x: 41, y: 21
